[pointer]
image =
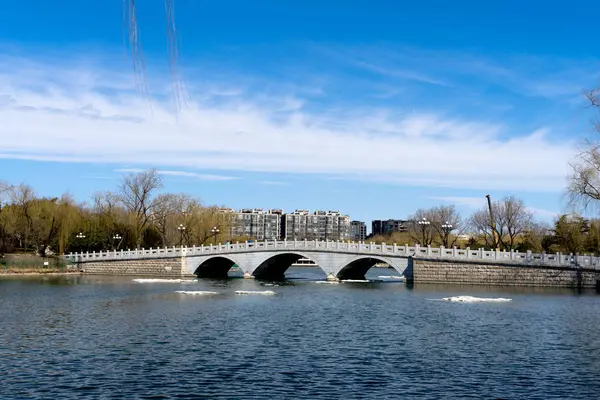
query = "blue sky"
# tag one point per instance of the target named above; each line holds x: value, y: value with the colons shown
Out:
x: 375, y: 108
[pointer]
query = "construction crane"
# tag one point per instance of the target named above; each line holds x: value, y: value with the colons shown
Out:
x: 493, y: 224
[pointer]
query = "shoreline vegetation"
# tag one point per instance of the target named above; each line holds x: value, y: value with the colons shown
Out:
x: 138, y: 214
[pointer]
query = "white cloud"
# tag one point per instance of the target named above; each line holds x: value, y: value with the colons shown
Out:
x: 49, y: 116
x: 274, y: 183
x: 185, y: 174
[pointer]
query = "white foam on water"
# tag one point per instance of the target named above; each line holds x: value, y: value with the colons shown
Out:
x: 355, y: 280
x: 264, y: 292
x: 159, y: 280
x: 471, y: 299
x: 271, y: 284
x: 391, y: 277
x: 196, y: 292
x: 328, y: 282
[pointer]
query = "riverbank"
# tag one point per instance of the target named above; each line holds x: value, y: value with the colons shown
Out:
x: 21, y: 274
x: 20, y: 271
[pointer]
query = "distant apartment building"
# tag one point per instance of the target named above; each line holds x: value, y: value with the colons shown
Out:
x: 358, y: 230
x: 320, y: 225
x: 274, y: 224
x: 256, y: 223
x: 387, y: 227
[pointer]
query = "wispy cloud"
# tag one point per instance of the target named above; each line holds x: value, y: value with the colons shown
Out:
x: 528, y: 75
x: 49, y: 119
x: 274, y: 183
x: 185, y: 174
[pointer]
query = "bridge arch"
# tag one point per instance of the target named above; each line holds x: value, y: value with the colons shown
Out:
x: 357, y: 267
x: 274, y: 267
x: 215, y: 267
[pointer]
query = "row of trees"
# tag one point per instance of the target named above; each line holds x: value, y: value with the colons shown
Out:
x: 138, y: 215
x: 443, y: 225
x: 135, y: 215
x: 515, y: 228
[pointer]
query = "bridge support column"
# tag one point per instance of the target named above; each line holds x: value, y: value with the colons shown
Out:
x: 332, y: 278
x: 248, y: 275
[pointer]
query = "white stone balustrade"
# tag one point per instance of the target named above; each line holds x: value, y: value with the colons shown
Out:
x: 359, y: 248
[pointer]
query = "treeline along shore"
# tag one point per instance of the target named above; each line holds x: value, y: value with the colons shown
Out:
x: 138, y: 213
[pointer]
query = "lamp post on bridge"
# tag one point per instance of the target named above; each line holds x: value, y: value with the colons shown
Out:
x: 447, y: 228
x: 424, y: 224
x: 116, y: 237
x: 181, y: 229
x: 215, y: 231
x: 80, y: 236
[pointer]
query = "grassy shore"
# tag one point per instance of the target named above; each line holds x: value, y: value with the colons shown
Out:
x: 29, y: 264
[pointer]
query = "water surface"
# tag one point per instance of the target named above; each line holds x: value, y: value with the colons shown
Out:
x: 112, y: 337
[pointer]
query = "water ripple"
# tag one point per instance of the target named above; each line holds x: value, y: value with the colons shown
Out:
x: 109, y: 337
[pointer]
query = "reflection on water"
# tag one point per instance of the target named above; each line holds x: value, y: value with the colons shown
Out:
x: 113, y: 337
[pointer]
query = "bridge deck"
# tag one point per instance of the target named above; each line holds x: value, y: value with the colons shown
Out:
x: 357, y: 248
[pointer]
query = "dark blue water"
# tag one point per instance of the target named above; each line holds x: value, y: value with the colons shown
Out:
x: 110, y: 337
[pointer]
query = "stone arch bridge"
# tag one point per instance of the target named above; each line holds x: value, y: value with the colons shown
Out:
x: 339, y: 260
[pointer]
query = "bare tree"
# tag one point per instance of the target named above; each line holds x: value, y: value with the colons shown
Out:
x: 444, y: 221
x: 171, y: 210
x: 137, y: 194
x: 420, y: 227
x: 5, y: 189
x: 515, y: 219
x: 480, y: 225
x: 23, y: 197
x: 512, y: 220
x: 584, y: 186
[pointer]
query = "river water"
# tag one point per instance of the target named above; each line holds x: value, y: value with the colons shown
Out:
x: 113, y: 337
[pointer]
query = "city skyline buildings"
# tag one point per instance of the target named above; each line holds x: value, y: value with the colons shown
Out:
x: 300, y: 224
x: 275, y: 224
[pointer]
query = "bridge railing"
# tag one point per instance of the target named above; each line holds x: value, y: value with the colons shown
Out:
x: 516, y: 257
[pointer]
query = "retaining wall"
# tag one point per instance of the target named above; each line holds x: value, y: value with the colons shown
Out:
x: 479, y: 273
x: 168, y: 267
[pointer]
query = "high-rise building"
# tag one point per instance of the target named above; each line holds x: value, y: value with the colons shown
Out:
x: 320, y: 225
x: 379, y: 227
x: 274, y: 224
x: 295, y: 225
x: 257, y: 224
x: 358, y: 230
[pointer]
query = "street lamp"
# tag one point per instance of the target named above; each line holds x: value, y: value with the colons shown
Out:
x: 424, y: 225
x: 116, y: 237
x: 80, y: 235
x: 215, y: 231
x: 447, y: 228
x: 181, y: 230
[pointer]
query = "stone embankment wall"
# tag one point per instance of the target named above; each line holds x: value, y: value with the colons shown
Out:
x: 480, y: 273
x: 167, y: 267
